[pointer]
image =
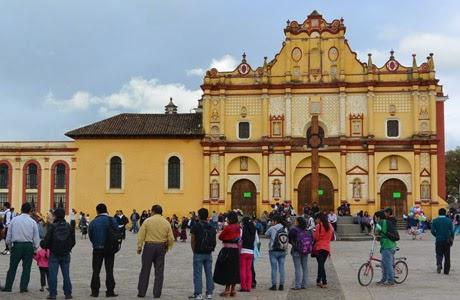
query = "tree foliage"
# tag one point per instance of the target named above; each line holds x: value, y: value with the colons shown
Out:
x: 453, y: 174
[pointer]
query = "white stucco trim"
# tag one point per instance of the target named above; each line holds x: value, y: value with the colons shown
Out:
x: 234, y: 178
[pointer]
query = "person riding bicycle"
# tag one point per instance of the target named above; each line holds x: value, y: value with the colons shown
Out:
x: 387, y: 246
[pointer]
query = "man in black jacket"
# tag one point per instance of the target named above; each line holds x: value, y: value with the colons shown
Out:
x: 60, y: 239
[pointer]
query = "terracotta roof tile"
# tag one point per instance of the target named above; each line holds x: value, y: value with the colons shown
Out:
x: 142, y: 125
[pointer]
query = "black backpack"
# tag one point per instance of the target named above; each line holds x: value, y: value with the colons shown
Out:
x: 62, y: 241
x: 281, y: 241
x: 392, y: 233
x: 207, y: 242
x: 113, y: 239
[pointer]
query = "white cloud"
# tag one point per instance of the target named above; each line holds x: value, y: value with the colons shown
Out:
x: 223, y: 64
x: 137, y: 95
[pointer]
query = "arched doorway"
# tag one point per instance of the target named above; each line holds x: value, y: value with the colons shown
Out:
x: 325, y: 193
x: 244, y: 195
x: 393, y: 193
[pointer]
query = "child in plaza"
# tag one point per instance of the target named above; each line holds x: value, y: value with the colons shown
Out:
x: 41, y: 257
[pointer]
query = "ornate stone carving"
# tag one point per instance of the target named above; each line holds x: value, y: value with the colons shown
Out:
x: 356, y: 104
x: 234, y: 104
x: 330, y: 114
x: 276, y: 161
x: 357, y: 159
x: 215, y: 161
x: 244, y: 163
x: 214, y: 189
x: 300, y: 109
x: 277, y: 107
x: 353, y: 190
x: 401, y: 101
x: 425, y: 161
x: 276, y: 188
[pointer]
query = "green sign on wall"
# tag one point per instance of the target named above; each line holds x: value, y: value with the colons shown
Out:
x: 247, y: 194
x: 396, y: 195
x: 320, y: 192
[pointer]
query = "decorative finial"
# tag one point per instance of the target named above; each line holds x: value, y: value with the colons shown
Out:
x: 244, y: 57
x: 414, y: 62
x: 431, y: 62
x: 288, y: 22
x: 265, y: 61
x: 369, y: 61
x: 341, y: 20
x: 171, y: 108
x: 391, y: 54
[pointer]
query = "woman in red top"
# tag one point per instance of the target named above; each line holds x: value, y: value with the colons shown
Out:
x: 227, y: 269
x: 323, y: 235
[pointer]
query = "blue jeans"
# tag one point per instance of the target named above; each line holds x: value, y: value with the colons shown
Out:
x: 200, y: 261
x: 53, y: 266
x: 277, y: 259
x: 301, y: 269
x: 388, y: 274
x: 134, y: 228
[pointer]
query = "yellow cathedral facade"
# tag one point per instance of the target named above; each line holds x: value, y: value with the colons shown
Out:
x: 381, y: 130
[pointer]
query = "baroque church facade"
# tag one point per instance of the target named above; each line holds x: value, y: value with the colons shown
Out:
x: 381, y: 133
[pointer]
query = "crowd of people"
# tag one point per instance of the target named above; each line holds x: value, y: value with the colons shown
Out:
x: 50, y: 240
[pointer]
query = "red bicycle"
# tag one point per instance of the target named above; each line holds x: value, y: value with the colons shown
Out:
x: 366, y: 271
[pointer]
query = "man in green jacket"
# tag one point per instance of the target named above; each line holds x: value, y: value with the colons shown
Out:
x: 443, y: 229
x: 387, y: 250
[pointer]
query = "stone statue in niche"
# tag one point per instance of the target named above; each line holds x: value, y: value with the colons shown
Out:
x: 215, y: 115
x: 277, y: 189
x: 425, y: 190
x: 357, y: 189
x: 393, y: 163
x: 392, y: 109
x: 423, y: 115
x: 243, y: 163
x: 215, y: 189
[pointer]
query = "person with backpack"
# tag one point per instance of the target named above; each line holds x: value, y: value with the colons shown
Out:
x: 388, y: 235
x: 277, y: 249
x: 59, y: 239
x: 106, y: 241
x: 23, y: 240
x: 302, y: 242
x: 203, y: 243
x: 155, y: 238
x: 248, y: 237
x: 442, y: 229
x: 7, y: 217
x: 227, y: 268
x: 322, y: 236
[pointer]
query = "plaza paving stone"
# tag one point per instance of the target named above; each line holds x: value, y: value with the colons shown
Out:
x: 423, y: 281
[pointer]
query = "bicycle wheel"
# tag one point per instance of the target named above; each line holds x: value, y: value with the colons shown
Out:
x: 401, y: 271
x: 365, y: 274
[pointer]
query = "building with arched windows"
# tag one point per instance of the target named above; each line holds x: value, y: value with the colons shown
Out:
x: 381, y: 131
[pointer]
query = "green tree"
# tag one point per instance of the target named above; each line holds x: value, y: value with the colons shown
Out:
x: 453, y: 174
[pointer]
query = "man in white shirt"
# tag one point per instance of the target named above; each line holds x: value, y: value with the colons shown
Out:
x: 24, y: 239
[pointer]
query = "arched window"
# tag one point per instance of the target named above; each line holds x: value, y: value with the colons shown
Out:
x: 115, y: 172
x: 4, y: 184
x: 3, y: 176
x: 173, y: 172
x: 31, y: 180
x: 60, y: 186
x: 32, y: 184
x: 59, y: 176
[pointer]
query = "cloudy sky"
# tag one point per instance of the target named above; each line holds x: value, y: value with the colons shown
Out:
x: 64, y: 64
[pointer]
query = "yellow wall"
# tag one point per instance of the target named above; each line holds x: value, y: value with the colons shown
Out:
x: 144, y: 175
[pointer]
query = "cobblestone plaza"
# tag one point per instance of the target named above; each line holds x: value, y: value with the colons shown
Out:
x: 422, y: 283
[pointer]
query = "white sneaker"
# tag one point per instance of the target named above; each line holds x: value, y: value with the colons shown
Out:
x: 208, y: 296
x: 196, y: 297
